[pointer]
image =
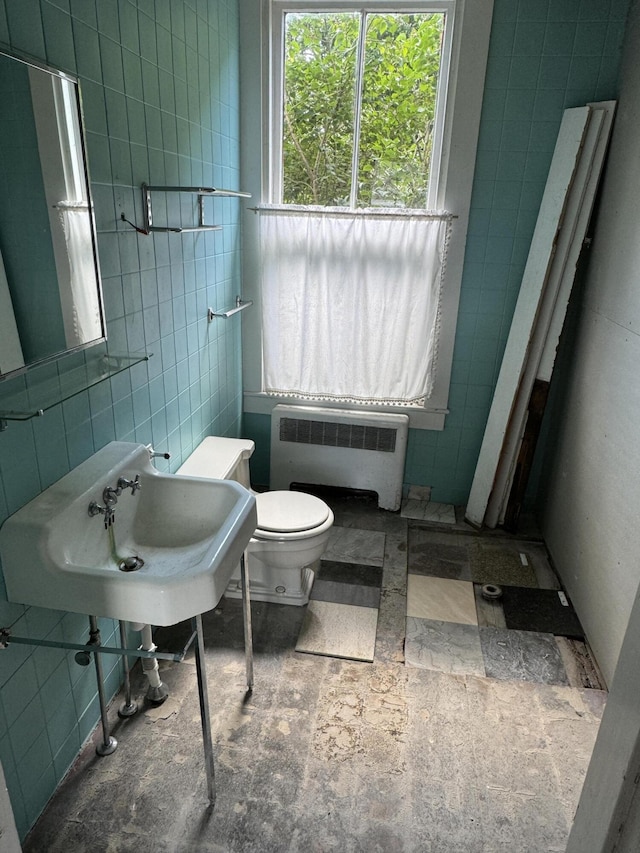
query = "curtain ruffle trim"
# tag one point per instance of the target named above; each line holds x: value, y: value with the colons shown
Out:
x: 438, y: 320
x: 416, y: 402
x: 383, y: 212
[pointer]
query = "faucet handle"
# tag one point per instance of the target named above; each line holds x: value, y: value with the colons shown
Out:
x: 134, y: 484
x: 95, y: 509
x: 106, y: 510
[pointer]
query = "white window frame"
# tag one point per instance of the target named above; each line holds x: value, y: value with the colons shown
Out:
x: 274, y: 143
x: 258, y: 64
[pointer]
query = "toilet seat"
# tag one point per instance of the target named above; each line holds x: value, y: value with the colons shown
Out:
x: 290, y: 515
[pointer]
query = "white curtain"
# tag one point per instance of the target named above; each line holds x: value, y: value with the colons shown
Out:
x: 351, y: 304
x: 85, y: 322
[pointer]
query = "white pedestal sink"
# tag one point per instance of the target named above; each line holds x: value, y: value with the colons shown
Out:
x: 186, y: 533
x: 189, y: 532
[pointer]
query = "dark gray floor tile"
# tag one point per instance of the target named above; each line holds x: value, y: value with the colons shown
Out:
x: 522, y: 656
x: 346, y: 593
x: 544, y: 610
x: 353, y: 573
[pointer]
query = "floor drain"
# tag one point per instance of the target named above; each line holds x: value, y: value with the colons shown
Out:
x: 491, y: 591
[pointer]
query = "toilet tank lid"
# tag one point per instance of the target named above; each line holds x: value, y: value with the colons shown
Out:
x: 290, y: 512
x: 216, y: 457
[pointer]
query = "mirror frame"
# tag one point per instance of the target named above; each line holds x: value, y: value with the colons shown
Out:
x: 30, y: 61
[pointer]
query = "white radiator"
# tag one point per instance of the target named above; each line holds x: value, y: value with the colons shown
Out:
x: 339, y: 447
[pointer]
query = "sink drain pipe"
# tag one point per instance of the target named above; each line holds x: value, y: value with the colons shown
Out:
x: 157, y: 691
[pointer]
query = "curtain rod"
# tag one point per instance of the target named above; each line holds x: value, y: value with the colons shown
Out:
x: 363, y: 211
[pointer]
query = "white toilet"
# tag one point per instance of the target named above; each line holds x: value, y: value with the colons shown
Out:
x: 293, y: 527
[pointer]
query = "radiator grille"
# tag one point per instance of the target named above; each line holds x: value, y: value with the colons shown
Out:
x: 328, y: 434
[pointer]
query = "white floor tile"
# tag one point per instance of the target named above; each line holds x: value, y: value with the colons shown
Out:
x: 433, y: 511
x: 339, y: 630
x: 441, y: 599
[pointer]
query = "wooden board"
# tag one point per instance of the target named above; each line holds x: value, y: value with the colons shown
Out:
x: 547, y: 360
x: 561, y: 175
x: 550, y: 321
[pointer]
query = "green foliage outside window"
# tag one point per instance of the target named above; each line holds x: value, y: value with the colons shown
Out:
x: 399, y: 89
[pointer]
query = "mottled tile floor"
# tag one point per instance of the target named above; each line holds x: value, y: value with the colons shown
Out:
x: 336, y: 755
x: 342, y: 615
x: 455, y: 626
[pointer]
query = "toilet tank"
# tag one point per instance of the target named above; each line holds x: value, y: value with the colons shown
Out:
x: 220, y: 459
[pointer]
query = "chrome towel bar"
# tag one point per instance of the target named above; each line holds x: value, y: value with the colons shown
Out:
x: 239, y: 306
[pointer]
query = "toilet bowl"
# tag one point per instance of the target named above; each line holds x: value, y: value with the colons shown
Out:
x: 293, y: 527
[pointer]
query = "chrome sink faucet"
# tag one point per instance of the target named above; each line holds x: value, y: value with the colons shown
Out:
x: 110, y: 497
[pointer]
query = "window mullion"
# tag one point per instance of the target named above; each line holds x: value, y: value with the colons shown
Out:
x: 355, y: 157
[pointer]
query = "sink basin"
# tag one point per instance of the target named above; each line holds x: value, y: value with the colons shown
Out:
x: 188, y: 532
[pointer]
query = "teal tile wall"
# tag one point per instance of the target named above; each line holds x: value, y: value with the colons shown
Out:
x: 258, y: 428
x: 544, y: 56
x: 160, y: 92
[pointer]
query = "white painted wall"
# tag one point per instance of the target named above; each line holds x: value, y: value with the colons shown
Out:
x: 591, y: 501
x: 607, y: 819
x: 9, y: 841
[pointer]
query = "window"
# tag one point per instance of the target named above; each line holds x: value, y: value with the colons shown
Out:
x: 361, y: 110
x: 365, y: 108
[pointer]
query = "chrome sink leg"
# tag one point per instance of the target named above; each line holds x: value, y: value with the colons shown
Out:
x: 246, y: 614
x: 109, y: 744
x: 204, y: 709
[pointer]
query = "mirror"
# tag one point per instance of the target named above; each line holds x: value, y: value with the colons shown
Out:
x: 50, y: 294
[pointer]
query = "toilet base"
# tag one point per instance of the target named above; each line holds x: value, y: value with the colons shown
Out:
x: 276, y: 585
